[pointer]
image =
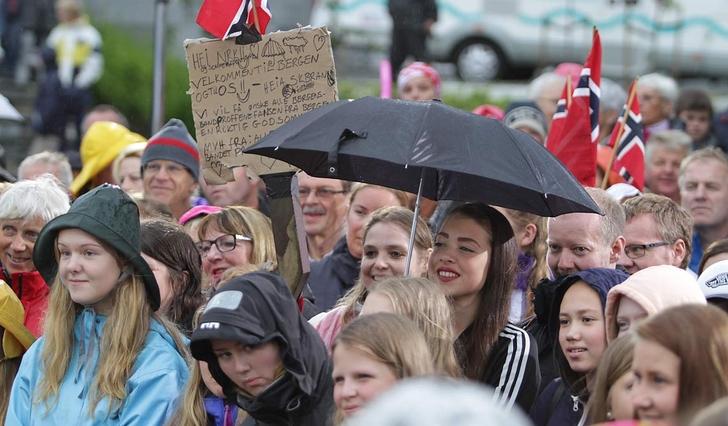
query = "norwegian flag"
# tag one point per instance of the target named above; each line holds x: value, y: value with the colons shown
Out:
x: 224, y: 18
x: 576, y: 143
x: 629, y: 159
x: 258, y: 9
x: 557, y: 122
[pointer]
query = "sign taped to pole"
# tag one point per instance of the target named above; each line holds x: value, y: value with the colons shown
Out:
x: 240, y: 93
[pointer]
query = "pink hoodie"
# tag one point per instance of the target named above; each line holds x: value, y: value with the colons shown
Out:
x: 655, y: 288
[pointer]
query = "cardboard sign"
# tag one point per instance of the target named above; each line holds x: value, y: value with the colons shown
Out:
x: 242, y: 92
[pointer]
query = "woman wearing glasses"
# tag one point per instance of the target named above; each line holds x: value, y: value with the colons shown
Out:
x: 235, y: 236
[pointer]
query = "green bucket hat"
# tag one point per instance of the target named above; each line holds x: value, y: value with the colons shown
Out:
x: 107, y: 213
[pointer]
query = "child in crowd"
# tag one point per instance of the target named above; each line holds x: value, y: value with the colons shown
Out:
x: 106, y: 357
x: 612, y: 394
x: 384, y: 251
x: 695, y: 111
x: 580, y: 326
x: 647, y: 292
x: 418, y: 82
x: 383, y: 348
x: 264, y: 354
x: 422, y: 301
x: 679, y: 364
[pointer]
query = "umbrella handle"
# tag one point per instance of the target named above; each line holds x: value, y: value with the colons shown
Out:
x: 413, y: 230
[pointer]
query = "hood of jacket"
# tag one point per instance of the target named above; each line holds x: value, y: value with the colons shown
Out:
x: 601, y: 280
x: 654, y: 289
x: 258, y: 308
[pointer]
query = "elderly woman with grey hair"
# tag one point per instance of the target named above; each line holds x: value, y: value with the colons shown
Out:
x: 24, y: 209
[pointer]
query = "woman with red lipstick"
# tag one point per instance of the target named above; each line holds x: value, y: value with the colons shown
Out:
x: 371, y: 355
x: 474, y: 261
x: 580, y: 324
x: 24, y: 209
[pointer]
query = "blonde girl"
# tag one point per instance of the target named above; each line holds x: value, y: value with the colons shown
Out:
x: 383, y: 347
x: 106, y: 357
x: 422, y: 301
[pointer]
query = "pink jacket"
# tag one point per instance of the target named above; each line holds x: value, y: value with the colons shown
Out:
x: 655, y: 289
x: 328, y: 325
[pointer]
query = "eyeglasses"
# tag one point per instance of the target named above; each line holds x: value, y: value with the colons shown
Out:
x: 635, y: 251
x: 323, y: 193
x: 224, y: 243
x: 153, y: 168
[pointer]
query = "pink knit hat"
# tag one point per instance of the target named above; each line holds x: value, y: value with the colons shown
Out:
x: 655, y: 289
x: 419, y: 69
x: 198, y: 211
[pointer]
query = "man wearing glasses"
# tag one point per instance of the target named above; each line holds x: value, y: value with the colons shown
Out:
x: 170, y: 167
x: 324, y: 205
x: 658, y: 232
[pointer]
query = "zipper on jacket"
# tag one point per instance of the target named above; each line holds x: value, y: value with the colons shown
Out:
x: 575, y: 400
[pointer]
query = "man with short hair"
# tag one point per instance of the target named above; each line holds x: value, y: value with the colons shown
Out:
x: 170, y: 167
x: 103, y: 112
x: 54, y: 163
x: 663, y: 155
x: 658, y: 232
x: 324, y: 204
x: 704, y: 192
x: 578, y: 241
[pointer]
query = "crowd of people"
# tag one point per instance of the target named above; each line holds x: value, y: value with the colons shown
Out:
x: 132, y: 291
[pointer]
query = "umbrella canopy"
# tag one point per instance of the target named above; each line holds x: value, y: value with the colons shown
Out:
x: 452, y: 154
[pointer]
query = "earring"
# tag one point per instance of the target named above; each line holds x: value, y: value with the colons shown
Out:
x: 609, y: 415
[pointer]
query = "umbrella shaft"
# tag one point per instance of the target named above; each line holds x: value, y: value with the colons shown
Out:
x: 413, y: 230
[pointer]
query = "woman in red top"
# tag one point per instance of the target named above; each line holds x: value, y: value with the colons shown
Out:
x: 24, y: 209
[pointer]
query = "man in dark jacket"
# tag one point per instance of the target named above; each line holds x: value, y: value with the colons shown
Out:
x: 411, y: 25
x: 253, y: 313
x: 333, y: 276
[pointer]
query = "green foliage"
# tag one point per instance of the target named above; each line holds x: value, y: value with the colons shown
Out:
x: 127, y: 79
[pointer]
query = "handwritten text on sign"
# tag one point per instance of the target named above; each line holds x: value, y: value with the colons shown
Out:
x: 242, y: 92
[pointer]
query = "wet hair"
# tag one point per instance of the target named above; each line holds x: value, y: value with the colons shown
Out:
x: 702, y: 347
x: 397, y: 216
x: 665, y: 86
x: 169, y: 244
x: 715, y: 248
x: 40, y: 198
x: 613, y: 222
x: 494, y: 297
x: 616, y: 362
x: 670, y: 140
x: 694, y: 100
x: 245, y: 221
x: 422, y: 301
x: 673, y: 221
x: 48, y: 158
x: 709, y: 153
x: 389, y: 339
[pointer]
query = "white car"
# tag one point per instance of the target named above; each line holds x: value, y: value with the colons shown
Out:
x: 486, y: 38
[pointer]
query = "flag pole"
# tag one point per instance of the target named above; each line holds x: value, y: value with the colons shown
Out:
x: 569, y: 90
x: 254, y: 11
x: 620, y: 131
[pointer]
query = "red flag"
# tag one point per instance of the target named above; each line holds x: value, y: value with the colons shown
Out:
x: 629, y: 159
x: 576, y: 145
x: 557, y: 122
x: 261, y: 12
x: 217, y: 16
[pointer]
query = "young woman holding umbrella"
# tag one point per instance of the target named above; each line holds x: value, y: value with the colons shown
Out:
x: 474, y: 260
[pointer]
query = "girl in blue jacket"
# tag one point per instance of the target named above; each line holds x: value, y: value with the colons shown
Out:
x: 105, y: 356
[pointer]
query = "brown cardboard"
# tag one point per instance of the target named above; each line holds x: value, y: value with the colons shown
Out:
x: 242, y: 92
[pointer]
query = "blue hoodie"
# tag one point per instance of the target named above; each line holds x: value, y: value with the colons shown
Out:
x: 562, y: 401
x: 157, y: 378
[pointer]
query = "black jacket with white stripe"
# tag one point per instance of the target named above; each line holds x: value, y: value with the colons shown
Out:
x: 512, y: 367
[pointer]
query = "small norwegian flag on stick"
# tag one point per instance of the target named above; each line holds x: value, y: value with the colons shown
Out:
x: 628, y: 148
x: 224, y: 18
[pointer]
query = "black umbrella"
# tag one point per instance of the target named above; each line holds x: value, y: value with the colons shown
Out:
x: 427, y: 148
